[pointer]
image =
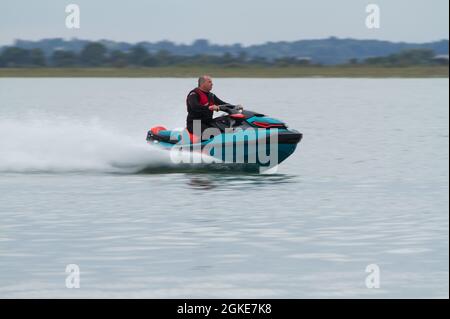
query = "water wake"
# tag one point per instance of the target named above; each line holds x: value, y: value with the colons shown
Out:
x: 62, y: 145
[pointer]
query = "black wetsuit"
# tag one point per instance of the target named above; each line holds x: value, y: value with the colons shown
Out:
x: 196, y: 111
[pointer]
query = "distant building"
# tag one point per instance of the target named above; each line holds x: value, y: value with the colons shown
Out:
x: 441, y: 59
x: 303, y: 60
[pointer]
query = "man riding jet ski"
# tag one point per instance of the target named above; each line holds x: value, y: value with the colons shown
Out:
x: 201, y: 104
x: 241, y: 136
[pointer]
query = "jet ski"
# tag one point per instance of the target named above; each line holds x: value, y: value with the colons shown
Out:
x: 239, y: 136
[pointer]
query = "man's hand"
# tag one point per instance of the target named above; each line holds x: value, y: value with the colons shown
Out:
x: 215, y: 108
x: 240, y: 107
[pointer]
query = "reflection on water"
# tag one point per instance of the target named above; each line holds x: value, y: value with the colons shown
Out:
x: 202, y: 183
x: 237, y: 181
x: 217, y: 168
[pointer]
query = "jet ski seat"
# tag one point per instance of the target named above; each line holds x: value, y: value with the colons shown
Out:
x: 162, y: 134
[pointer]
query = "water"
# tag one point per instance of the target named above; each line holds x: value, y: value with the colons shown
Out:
x: 368, y: 185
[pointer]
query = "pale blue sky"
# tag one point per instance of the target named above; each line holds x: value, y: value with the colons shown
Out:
x: 225, y: 22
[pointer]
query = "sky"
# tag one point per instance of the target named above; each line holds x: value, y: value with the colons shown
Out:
x: 224, y: 22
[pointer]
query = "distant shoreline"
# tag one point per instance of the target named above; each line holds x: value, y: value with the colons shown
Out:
x: 233, y: 72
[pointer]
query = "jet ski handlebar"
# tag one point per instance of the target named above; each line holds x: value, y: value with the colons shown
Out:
x: 231, y: 109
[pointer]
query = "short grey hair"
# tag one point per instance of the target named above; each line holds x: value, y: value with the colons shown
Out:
x: 202, y: 79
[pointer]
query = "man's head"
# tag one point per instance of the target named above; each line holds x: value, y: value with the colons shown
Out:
x: 205, y: 83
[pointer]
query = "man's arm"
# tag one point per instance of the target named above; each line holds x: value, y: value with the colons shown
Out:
x: 218, y: 101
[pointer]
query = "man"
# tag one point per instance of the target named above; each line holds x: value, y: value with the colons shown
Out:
x: 201, y: 104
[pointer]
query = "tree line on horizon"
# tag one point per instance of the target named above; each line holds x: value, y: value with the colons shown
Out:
x: 95, y: 54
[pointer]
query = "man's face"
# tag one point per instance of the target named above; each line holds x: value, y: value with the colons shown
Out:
x: 207, y: 85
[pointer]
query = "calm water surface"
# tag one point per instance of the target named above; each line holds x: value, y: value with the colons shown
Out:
x: 368, y: 185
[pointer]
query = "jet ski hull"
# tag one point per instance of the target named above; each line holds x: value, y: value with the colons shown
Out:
x: 265, y: 148
x: 242, y: 137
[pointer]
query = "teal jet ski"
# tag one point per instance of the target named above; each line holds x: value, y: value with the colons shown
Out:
x: 240, y: 136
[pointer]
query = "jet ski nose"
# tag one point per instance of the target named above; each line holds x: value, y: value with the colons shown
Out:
x: 289, y: 137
